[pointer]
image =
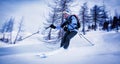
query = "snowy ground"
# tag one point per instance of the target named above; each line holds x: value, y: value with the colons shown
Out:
x: 105, y: 51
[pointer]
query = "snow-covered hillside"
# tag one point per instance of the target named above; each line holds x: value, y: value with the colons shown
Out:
x: 105, y: 51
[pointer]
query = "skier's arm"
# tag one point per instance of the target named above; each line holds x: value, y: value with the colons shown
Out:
x: 65, y: 23
x: 59, y: 27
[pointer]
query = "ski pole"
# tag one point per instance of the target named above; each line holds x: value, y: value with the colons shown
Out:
x: 44, y: 30
x: 47, y: 27
x: 86, y: 39
x: 30, y: 35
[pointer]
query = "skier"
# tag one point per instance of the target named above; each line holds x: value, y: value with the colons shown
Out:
x: 70, y: 26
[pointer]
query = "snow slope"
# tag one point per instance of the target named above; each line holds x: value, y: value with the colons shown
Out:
x: 105, y: 51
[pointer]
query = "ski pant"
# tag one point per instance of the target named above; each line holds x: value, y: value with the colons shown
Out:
x: 66, y: 38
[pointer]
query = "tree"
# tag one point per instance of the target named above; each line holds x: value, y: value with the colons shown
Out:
x: 119, y: 21
x: 96, y: 15
x: 56, y: 16
x: 20, y: 29
x: 84, y: 16
x: 64, y: 5
x: 3, y: 30
x: 53, y: 19
x: 7, y: 29
x: 103, y: 16
x: 115, y: 23
x: 10, y: 30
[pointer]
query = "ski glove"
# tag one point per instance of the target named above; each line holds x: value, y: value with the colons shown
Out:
x: 52, y: 26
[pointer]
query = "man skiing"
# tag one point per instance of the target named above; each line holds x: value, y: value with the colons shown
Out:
x: 70, y: 26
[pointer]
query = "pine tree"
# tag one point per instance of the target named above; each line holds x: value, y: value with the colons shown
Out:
x: 7, y: 29
x: 3, y: 31
x: 104, y: 15
x: 96, y: 15
x: 84, y: 16
x: 56, y: 16
x: 53, y: 19
x: 64, y: 6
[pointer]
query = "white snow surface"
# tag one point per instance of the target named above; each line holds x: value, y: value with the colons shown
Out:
x: 105, y: 51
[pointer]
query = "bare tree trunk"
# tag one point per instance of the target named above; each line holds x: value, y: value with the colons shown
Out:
x: 16, y: 37
x: 10, y: 40
x: 3, y: 36
x: 83, y: 22
x: 61, y: 32
x: 20, y: 26
x: 49, y: 34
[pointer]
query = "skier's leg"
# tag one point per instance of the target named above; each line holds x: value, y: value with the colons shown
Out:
x: 62, y: 42
x: 69, y: 36
x: 63, y: 39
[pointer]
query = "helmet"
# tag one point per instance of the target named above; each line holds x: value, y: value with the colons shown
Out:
x: 66, y: 12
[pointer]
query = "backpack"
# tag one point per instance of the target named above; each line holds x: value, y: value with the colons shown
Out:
x: 78, y: 22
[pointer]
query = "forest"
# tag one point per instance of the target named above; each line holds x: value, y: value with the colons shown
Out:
x: 96, y: 18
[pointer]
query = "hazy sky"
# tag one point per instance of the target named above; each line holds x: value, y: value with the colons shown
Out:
x: 35, y: 11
